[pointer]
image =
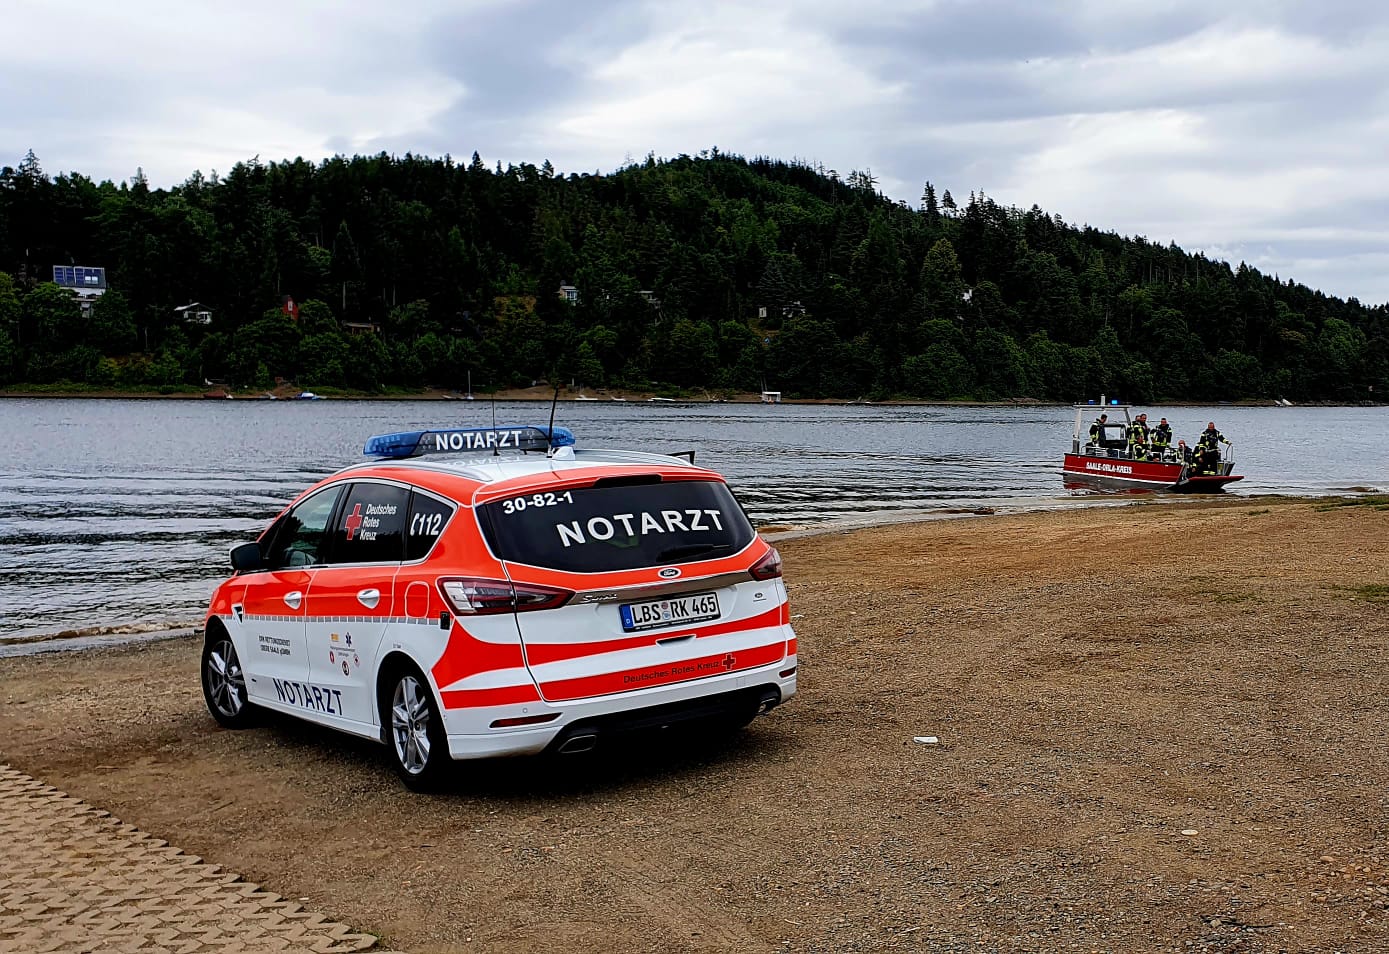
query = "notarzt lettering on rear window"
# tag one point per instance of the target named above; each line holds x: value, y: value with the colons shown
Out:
x: 620, y: 528
x: 602, y: 528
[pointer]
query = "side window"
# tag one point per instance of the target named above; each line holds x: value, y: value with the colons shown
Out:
x: 428, y: 517
x: 371, y: 525
x: 297, y: 539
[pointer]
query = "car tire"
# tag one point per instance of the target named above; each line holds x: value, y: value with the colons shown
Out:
x: 414, y: 732
x: 224, y: 682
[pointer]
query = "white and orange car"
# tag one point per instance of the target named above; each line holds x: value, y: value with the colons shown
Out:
x: 499, y: 591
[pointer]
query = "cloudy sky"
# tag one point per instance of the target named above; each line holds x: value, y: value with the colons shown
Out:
x: 1257, y: 131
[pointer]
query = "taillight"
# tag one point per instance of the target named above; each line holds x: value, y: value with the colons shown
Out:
x: 484, y: 597
x: 767, y: 568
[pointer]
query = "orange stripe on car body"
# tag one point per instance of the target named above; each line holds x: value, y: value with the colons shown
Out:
x: 584, y: 477
x: 485, y: 698
x: 465, y: 655
x: 686, y: 670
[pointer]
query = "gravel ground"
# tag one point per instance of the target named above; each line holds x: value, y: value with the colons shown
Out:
x: 1159, y: 728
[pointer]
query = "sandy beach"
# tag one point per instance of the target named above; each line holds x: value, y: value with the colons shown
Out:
x: 1157, y: 727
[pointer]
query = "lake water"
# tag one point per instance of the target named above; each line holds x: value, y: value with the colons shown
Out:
x: 119, y: 513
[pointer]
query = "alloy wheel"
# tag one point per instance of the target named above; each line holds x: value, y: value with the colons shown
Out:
x: 410, y: 715
x: 226, y: 682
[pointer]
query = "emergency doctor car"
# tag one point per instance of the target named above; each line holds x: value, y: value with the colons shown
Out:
x: 500, y: 591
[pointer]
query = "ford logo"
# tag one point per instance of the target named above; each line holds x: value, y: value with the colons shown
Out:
x: 669, y: 573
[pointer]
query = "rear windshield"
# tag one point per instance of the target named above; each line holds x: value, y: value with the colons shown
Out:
x: 617, y: 527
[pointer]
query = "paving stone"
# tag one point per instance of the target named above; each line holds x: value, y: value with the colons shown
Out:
x: 78, y: 880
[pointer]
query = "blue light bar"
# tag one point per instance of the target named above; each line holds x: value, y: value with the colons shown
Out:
x: 457, y: 440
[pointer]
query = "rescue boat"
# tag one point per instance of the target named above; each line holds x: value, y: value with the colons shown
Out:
x: 1107, y: 464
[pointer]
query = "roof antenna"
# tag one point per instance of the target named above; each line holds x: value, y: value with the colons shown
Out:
x: 550, y: 434
x: 496, y: 452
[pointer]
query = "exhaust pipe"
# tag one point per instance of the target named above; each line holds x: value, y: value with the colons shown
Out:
x: 768, y: 701
x: 579, y: 743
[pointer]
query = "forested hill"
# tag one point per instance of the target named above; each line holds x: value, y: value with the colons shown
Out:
x: 715, y: 272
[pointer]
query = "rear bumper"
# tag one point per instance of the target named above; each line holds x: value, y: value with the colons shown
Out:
x: 736, y: 707
x: 583, y: 726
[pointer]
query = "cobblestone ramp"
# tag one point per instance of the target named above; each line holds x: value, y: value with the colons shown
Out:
x: 75, y: 879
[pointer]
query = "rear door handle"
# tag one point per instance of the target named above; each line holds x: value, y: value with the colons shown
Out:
x: 675, y: 639
x: 369, y: 598
x: 294, y: 599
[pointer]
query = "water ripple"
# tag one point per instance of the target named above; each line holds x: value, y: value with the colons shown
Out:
x: 118, y: 513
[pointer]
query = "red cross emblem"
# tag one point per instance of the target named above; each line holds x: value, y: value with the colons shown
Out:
x: 728, y: 661
x: 354, y: 521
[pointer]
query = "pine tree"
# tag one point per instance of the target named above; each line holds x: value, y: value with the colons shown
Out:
x: 929, y: 205
x: 30, y: 169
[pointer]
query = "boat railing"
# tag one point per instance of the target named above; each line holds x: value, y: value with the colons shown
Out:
x: 1227, y: 460
x: 1165, y: 455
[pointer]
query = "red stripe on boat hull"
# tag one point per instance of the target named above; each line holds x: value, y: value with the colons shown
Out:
x: 1140, y: 474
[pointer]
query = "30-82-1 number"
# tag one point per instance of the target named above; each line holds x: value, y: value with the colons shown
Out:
x: 518, y: 504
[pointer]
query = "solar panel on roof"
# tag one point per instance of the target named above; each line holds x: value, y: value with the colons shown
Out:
x: 79, y: 276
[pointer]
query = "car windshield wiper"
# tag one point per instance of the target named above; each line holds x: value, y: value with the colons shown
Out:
x: 693, y: 549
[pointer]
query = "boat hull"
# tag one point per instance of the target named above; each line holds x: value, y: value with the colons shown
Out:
x: 1206, y: 483
x: 1116, y: 473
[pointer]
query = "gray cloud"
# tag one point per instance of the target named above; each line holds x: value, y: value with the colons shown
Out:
x: 960, y: 31
x: 511, y: 62
x: 510, y: 57
x: 1249, y: 128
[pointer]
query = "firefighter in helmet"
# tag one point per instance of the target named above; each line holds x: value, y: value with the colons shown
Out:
x: 1161, y: 438
x: 1211, y: 439
x: 1138, y: 436
x: 1097, y: 429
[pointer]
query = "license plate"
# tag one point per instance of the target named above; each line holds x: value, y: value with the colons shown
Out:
x: 653, y: 614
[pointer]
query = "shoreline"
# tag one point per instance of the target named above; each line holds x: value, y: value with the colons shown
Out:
x: 543, y: 394
x: 540, y: 395
x: 124, y: 634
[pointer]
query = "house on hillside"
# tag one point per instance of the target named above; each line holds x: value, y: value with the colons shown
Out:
x: 193, y: 313
x: 361, y: 328
x: 569, y: 293
x: 87, y: 283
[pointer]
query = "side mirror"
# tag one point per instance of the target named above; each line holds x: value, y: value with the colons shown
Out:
x: 246, y: 557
